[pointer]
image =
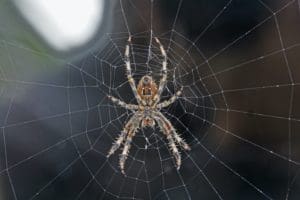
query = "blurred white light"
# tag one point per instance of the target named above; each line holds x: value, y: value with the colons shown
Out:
x: 64, y: 24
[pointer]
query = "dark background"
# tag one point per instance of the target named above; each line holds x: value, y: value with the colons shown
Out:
x: 239, y: 111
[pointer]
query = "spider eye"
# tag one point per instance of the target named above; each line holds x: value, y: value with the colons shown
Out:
x: 146, y: 80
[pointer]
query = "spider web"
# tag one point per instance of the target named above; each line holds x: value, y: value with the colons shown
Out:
x: 239, y: 110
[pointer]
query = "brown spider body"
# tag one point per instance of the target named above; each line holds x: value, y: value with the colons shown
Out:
x: 147, y: 90
x: 147, y: 112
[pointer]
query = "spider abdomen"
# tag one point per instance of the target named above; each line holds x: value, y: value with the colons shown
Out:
x: 147, y: 89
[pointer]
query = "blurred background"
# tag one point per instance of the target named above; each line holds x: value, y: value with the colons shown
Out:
x: 236, y: 59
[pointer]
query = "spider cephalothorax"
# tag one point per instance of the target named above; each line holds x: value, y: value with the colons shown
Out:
x: 147, y: 112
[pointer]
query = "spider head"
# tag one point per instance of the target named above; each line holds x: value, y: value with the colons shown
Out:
x: 147, y: 88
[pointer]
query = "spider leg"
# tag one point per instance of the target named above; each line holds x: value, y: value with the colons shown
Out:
x: 123, y: 104
x: 166, y: 131
x: 171, y: 100
x: 128, y: 127
x: 181, y: 141
x: 117, y: 143
x: 128, y: 70
x: 173, y: 131
x: 175, y: 151
x: 127, y: 145
x: 172, y: 136
x: 163, y: 79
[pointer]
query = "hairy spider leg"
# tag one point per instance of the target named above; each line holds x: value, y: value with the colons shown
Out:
x: 128, y: 70
x: 173, y: 131
x: 168, y: 102
x: 163, y: 79
x: 128, y: 127
x: 122, y: 103
x: 166, y: 131
x: 127, y: 145
x: 117, y: 143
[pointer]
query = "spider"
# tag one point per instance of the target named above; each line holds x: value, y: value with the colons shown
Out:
x: 147, y: 112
